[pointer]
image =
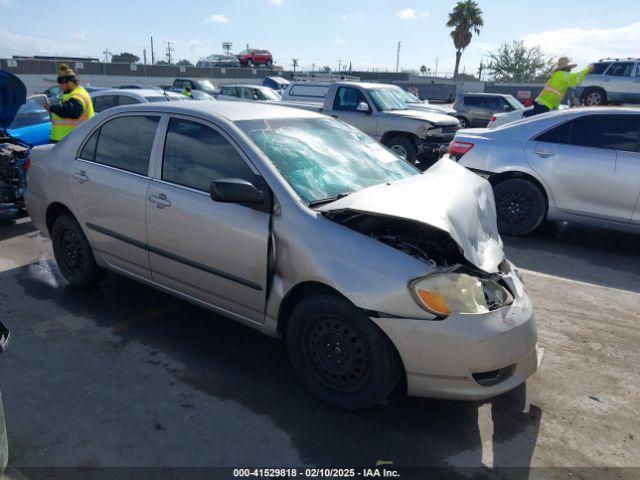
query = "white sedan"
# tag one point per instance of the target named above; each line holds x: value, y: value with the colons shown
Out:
x: 499, y: 119
x: 104, y: 99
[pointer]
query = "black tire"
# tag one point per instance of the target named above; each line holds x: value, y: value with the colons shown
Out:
x: 402, y: 146
x: 464, y: 123
x: 269, y: 63
x: 73, y: 253
x: 521, y: 206
x: 340, y: 354
x: 594, y: 97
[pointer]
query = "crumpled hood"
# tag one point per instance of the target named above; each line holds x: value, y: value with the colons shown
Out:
x: 430, y: 107
x: 448, y: 197
x: 439, y: 119
x: 13, y: 94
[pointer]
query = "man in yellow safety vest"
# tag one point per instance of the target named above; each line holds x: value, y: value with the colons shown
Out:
x: 187, y: 91
x: 557, y: 86
x: 75, y: 107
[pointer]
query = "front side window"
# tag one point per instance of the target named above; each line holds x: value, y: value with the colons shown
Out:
x: 230, y: 91
x: 195, y: 155
x: 348, y: 98
x: 606, y: 131
x: 620, y: 69
x: 322, y: 158
x: 124, y: 143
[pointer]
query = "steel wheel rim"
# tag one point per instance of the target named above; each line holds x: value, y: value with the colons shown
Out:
x: 400, y: 151
x: 71, y: 252
x: 515, y: 207
x: 594, y: 98
x: 337, y: 353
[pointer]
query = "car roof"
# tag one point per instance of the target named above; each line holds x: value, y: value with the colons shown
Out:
x: 487, y: 94
x: 245, y: 85
x: 140, y: 92
x: 230, y: 110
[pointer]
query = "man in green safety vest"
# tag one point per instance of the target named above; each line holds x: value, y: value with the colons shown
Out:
x: 557, y: 86
x: 76, y: 106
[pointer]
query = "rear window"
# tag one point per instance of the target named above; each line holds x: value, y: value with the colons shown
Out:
x: 620, y: 69
x: 600, y: 67
x: 318, y: 91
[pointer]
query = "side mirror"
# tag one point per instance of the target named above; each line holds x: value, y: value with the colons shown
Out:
x: 235, y: 190
x: 363, y: 107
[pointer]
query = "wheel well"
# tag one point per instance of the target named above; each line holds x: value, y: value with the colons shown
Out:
x: 389, y: 135
x: 54, y: 211
x: 462, y: 117
x: 501, y: 177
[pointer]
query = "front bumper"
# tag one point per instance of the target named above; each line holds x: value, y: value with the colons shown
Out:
x: 468, y: 356
x: 434, y: 144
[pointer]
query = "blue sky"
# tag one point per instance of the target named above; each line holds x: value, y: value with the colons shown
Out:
x: 364, y: 32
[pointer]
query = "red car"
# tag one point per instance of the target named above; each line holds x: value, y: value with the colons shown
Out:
x: 254, y: 56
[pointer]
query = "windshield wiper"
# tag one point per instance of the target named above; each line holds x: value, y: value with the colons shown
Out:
x: 317, y: 203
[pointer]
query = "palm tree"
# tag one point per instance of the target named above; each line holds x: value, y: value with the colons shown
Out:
x: 465, y: 18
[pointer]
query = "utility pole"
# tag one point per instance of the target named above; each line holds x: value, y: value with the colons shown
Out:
x: 144, y: 55
x: 153, y: 57
x: 294, y: 64
x: 106, y: 53
x: 339, y: 65
x: 480, y: 69
x: 436, y: 72
x: 170, y: 49
x: 398, y: 57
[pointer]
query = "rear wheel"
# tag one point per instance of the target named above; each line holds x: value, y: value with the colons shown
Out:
x: 340, y: 354
x: 269, y: 63
x: 464, y: 123
x: 250, y: 63
x: 520, y: 205
x: 73, y: 253
x: 594, y: 97
x: 403, y: 147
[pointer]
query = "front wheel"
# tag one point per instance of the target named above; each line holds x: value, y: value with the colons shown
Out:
x: 403, y: 147
x: 520, y: 205
x: 250, y: 63
x: 594, y: 97
x: 269, y: 63
x: 340, y: 354
x: 464, y: 123
x: 73, y: 253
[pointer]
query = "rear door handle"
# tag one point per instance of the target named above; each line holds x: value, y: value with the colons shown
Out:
x: 160, y: 200
x: 543, y: 152
x: 81, y: 176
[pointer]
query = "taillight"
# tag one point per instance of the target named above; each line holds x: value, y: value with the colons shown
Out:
x: 27, y: 164
x: 458, y: 149
x: 493, y: 119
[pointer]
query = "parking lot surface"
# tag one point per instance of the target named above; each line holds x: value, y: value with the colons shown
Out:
x: 124, y: 375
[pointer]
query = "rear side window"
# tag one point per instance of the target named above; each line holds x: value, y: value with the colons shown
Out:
x: 124, y: 143
x: 229, y: 91
x: 620, y: 69
x: 471, y: 100
x: 559, y: 134
x: 318, y: 91
x: 605, y: 131
x: 125, y: 100
x: 103, y: 102
x: 195, y: 155
x: 599, y: 68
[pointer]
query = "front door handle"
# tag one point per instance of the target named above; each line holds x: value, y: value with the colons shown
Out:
x: 160, y: 200
x: 543, y: 152
x: 81, y: 176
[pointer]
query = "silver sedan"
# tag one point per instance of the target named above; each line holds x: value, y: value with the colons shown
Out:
x: 304, y: 228
x: 577, y: 165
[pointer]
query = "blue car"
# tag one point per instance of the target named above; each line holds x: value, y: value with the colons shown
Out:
x: 32, y: 123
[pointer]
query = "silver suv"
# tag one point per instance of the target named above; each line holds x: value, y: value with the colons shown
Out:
x: 612, y: 81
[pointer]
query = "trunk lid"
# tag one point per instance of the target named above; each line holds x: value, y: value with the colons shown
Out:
x: 447, y: 197
x: 13, y: 94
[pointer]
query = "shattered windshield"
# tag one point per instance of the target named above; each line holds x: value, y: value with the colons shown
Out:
x: 386, y: 99
x: 323, y: 159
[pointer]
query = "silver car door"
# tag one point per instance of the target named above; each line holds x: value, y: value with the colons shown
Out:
x: 628, y: 170
x: 345, y: 108
x: 576, y: 161
x: 616, y: 81
x: 213, y: 252
x: 109, y: 183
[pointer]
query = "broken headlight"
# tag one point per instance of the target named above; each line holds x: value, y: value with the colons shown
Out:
x: 445, y: 293
x: 423, y: 130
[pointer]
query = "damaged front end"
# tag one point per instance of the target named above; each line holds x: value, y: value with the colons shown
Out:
x: 445, y: 218
x: 14, y: 163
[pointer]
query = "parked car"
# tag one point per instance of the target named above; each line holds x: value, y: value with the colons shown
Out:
x: 414, y: 103
x: 253, y: 57
x: 4, y: 445
x: 376, y: 110
x: 105, y: 99
x: 32, y: 123
x: 249, y: 92
x: 373, y: 273
x: 14, y: 153
x: 578, y: 165
x: 611, y: 81
x: 476, y: 109
x: 500, y: 119
x: 219, y: 60
x: 200, y: 95
x: 278, y: 84
x: 137, y: 86
x: 179, y: 84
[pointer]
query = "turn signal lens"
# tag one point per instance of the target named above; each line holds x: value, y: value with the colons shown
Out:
x: 434, y: 302
x: 445, y: 293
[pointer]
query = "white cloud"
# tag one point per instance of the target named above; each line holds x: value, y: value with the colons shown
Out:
x: 21, y: 44
x: 277, y: 2
x: 5, y: 3
x: 588, y: 45
x: 347, y: 17
x: 340, y: 41
x: 411, y: 14
x: 217, y: 18
x: 79, y: 36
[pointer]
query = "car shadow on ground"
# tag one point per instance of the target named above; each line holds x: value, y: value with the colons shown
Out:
x: 588, y: 254
x: 228, y: 361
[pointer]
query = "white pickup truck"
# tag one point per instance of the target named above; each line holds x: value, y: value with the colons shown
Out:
x: 378, y: 111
